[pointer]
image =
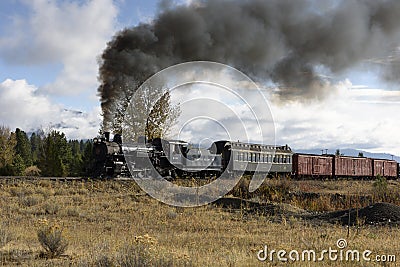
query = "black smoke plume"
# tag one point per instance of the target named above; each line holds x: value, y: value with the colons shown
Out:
x: 280, y: 41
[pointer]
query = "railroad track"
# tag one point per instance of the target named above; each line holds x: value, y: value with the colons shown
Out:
x: 33, y: 178
x: 42, y: 178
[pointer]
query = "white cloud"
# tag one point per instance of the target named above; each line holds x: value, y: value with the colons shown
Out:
x: 22, y: 107
x: 63, y: 32
x: 215, y: 112
x: 350, y: 117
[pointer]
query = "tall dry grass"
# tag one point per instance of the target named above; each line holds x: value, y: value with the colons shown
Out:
x: 112, y: 223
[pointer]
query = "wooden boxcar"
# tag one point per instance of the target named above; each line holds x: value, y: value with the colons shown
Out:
x: 306, y: 165
x: 385, y: 167
x: 378, y: 167
x: 352, y: 167
x: 390, y: 169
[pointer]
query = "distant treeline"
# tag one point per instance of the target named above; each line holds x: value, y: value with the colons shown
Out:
x: 43, y: 154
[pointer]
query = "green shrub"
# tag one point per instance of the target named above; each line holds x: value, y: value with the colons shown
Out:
x: 380, y: 188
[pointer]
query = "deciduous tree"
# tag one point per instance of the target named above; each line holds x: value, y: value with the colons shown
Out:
x: 150, y: 114
x: 7, y: 151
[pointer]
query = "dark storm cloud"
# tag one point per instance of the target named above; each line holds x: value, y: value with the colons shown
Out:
x: 281, y: 41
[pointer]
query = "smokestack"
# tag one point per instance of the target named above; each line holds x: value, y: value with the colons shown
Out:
x: 283, y: 42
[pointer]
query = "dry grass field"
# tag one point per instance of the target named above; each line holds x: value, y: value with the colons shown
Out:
x: 113, y: 223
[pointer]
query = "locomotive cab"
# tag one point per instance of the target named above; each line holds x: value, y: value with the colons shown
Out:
x: 178, y: 153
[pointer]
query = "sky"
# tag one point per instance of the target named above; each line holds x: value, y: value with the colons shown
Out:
x: 49, y: 60
x: 49, y: 54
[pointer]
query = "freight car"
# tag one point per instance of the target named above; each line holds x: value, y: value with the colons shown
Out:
x: 352, y: 167
x: 385, y: 167
x: 312, y: 166
x: 333, y: 166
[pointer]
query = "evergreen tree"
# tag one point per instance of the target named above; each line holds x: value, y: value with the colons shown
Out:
x: 36, y: 145
x: 82, y: 145
x: 56, y: 156
x: 18, y: 165
x: 87, y: 158
x: 75, y: 147
x: 23, y: 147
x: 76, y: 164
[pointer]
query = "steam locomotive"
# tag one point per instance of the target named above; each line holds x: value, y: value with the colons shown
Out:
x: 175, y: 158
x: 109, y: 160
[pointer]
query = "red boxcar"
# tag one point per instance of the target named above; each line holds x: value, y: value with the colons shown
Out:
x: 378, y: 167
x: 362, y: 167
x: 305, y: 165
x: 352, y: 166
x: 390, y: 169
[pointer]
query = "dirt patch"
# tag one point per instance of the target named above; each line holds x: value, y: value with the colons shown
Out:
x: 266, y: 209
x: 376, y: 214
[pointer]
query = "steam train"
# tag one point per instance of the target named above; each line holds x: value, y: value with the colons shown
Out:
x: 175, y: 158
x: 108, y: 157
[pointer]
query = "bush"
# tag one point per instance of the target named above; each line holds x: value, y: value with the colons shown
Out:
x: 29, y: 201
x: 51, y: 208
x: 133, y: 256
x: 103, y: 261
x: 380, y: 188
x: 241, y: 189
x: 32, y: 171
x: 5, y: 237
x: 52, y: 239
x: 145, y: 252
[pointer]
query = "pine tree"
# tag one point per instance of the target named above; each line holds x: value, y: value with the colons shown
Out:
x: 36, y: 141
x: 55, y: 157
x: 75, y: 147
x: 23, y: 147
x: 18, y: 165
x: 76, y: 168
x: 82, y: 145
x: 87, y: 158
